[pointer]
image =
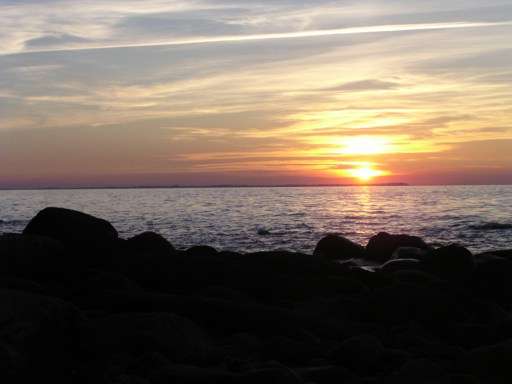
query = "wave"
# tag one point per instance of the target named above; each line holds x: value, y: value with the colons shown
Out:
x: 491, y: 226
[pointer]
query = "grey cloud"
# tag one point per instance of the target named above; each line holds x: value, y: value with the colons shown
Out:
x: 54, y: 40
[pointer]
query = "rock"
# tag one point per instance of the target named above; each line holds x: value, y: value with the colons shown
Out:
x: 333, y: 374
x: 202, y: 251
x: 108, y: 281
x: 489, y: 363
x: 274, y: 375
x: 401, y: 265
x: 32, y: 257
x: 174, y: 336
x: 419, y: 371
x: 189, y: 374
x: 492, y: 279
x: 409, y: 253
x: 453, y: 263
x: 382, y: 246
x: 41, y: 334
x: 415, y: 277
x: 71, y: 227
x: 150, y: 242
x: 362, y: 354
x: 334, y: 247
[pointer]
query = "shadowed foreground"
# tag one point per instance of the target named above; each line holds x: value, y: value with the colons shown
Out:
x: 80, y: 305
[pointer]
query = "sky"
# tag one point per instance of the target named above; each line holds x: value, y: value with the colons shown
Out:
x: 210, y: 92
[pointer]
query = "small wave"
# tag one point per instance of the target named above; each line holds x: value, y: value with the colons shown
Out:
x: 491, y: 226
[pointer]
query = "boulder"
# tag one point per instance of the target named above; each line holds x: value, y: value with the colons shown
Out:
x: 452, y: 263
x: 334, y: 247
x: 401, y: 265
x: 71, y: 227
x: 176, y: 337
x: 202, y: 251
x: 409, y: 253
x: 421, y: 371
x: 150, y: 242
x: 492, y: 279
x: 489, y: 363
x: 362, y: 354
x: 32, y: 257
x: 333, y: 374
x: 381, y: 247
x: 41, y: 334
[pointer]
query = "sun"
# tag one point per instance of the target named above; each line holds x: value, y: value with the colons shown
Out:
x: 365, y: 173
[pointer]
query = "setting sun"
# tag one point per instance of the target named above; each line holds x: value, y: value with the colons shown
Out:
x: 365, y: 173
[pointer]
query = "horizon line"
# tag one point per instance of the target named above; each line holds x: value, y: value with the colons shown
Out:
x: 386, y: 28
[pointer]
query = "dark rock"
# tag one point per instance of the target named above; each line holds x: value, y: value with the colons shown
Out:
x: 489, y: 363
x: 202, y: 251
x: 41, y: 333
x: 108, y: 281
x: 400, y: 265
x: 421, y: 371
x: 32, y: 257
x: 188, y: 374
x: 382, y: 246
x: 362, y: 354
x: 410, y: 253
x: 150, y: 242
x: 71, y: 227
x: 415, y: 277
x: 334, y: 247
x: 333, y: 374
x: 174, y: 336
x: 453, y: 263
x: 274, y: 375
x: 492, y: 279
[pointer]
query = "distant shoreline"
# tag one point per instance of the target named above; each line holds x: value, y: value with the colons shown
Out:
x: 206, y: 186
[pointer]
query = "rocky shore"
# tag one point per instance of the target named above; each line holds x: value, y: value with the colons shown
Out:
x: 81, y: 305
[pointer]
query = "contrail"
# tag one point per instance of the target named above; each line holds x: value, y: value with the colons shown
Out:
x: 276, y: 36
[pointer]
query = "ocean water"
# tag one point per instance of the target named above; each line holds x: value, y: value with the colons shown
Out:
x: 294, y: 218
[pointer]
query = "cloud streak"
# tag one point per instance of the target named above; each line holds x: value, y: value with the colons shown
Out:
x: 276, y: 36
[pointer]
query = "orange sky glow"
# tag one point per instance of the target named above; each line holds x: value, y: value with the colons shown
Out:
x: 205, y: 93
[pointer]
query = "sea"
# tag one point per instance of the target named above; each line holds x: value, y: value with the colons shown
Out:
x: 290, y: 218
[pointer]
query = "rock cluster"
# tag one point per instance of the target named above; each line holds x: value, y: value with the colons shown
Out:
x: 78, y: 304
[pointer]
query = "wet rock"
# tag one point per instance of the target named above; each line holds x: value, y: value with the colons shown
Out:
x: 382, y: 246
x: 409, y: 253
x: 400, y: 265
x: 334, y: 247
x: 453, y: 263
x: 71, y: 227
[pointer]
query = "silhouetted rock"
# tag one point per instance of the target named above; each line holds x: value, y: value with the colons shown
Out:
x: 454, y: 263
x: 410, y: 253
x: 400, y: 265
x: 32, y: 257
x: 381, y: 246
x: 333, y: 374
x: 202, y: 251
x: 150, y: 242
x: 174, y: 336
x: 492, y: 278
x: 491, y: 364
x: 71, y: 227
x: 421, y: 371
x: 41, y: 332
x: 334, y: 247
x: 361, y: 354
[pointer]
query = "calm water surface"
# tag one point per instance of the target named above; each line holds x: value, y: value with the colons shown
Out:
x: 248, y: 219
